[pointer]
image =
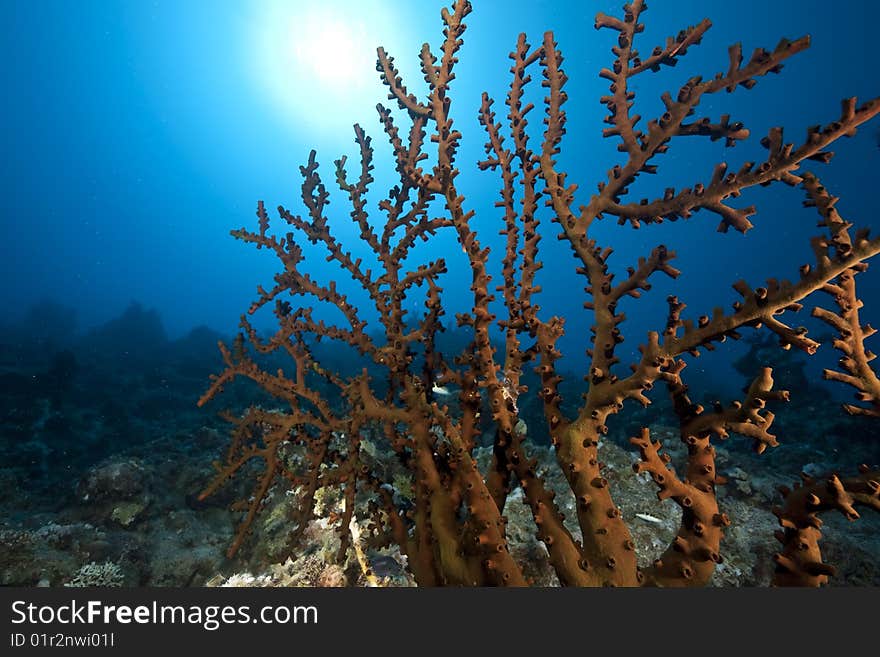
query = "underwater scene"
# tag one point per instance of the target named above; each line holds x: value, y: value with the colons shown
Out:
x: 577, y: 293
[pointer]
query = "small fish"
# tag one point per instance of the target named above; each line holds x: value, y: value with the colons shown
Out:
x: 443, y: 391
x: 649, y: 518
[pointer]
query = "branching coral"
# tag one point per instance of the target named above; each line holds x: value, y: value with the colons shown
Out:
x: 453, y: 531
x: 800, y: 562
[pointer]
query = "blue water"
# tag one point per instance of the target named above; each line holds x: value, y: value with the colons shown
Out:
x: 138, y: 134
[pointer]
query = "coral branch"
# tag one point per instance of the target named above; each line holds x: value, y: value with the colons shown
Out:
x: 800, y: 562
x: 855, y: 365
x: 399, y: 442
x: 691, y: 558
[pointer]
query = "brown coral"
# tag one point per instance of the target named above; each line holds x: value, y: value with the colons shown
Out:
x: 454, y: 530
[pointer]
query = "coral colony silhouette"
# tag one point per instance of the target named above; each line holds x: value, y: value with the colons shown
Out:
x: 452, y: 530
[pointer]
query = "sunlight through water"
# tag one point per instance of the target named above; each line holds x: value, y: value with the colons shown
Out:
x: 306, y: 54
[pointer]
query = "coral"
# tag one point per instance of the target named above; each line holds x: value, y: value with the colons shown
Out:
x: 333, y: 430
x: 800, y: 562
x: 98, y: 574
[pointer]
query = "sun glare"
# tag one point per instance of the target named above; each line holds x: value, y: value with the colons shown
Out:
x: 330, y: 49
x: 315, y: 61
